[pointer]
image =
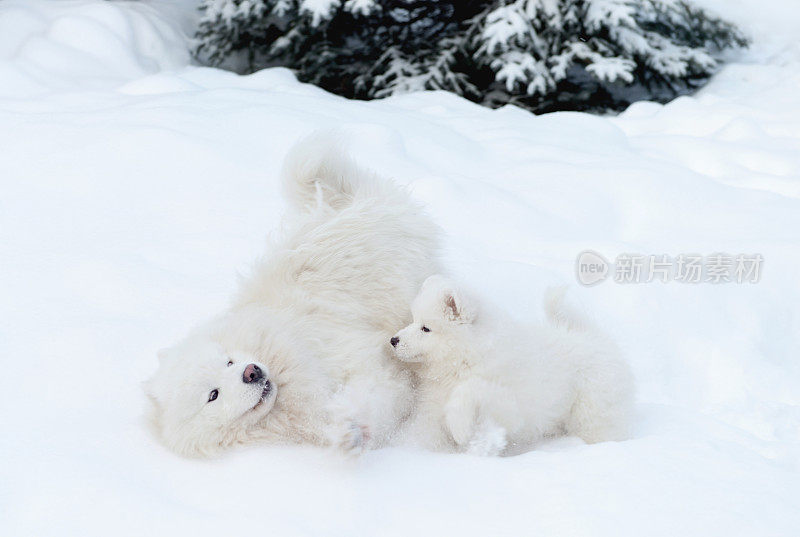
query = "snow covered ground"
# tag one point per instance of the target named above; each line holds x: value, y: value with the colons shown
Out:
x: 135, y: 186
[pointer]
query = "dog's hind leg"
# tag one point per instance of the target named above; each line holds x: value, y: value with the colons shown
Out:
x: 602, y: 408
x: 317, y: 171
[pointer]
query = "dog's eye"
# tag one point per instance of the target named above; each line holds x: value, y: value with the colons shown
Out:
x: 426, y: 329
x: 230, y: 363
x: 213, y: 395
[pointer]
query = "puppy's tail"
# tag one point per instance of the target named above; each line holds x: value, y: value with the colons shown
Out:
x: 318, y: 172
x: 561, y: 314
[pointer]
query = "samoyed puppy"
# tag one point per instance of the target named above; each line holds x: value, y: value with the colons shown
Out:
x: 487, y: 385
x: 302, y: 355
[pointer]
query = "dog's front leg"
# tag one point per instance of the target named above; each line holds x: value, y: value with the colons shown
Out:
x: 346, y: 431
x: 489, y: 439
x: 468, y: 418
x: 461, y: 413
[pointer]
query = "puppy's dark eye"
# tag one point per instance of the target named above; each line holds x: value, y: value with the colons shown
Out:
x: 213, y: 395
x: 426, y: 329
x: 230, y: 363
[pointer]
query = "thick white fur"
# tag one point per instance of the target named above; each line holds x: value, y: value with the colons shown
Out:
x: 488, y: 385
x: 316, y: 315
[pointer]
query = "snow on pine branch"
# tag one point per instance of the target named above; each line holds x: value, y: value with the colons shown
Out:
x: 319, y: 10
x: 362, y: 7
x: 540, y: 54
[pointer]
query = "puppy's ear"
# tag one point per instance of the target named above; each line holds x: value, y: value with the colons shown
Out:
x: 458, y: 309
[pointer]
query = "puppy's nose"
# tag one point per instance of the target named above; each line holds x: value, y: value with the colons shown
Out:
x: 252, y: 373
x: 394, y: 341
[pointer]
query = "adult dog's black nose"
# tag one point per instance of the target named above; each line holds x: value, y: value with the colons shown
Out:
x: 394, y: 341
x: 252, y: 373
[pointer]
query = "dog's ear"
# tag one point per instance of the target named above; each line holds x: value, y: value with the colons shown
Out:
x: 458, y: 308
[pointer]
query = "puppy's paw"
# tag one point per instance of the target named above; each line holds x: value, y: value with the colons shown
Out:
x: 489, y: 442
x: 460, y: 425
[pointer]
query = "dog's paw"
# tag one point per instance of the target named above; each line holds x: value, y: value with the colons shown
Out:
x: 460, y: 425
x: 352, y: 438
x: 489, y: 442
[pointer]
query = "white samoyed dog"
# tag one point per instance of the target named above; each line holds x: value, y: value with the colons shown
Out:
x: 487, y: 385
x: 302, y: 355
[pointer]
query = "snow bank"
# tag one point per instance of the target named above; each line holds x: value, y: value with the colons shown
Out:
x: 54, y: 46
x: 136, y: 186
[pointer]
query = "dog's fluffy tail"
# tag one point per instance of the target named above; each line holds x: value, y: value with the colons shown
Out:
x: 559, y: 313
x: 318, y: 172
